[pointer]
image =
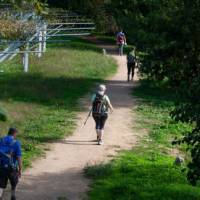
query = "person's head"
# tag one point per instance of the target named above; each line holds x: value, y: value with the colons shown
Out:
x: 101, y: 89
x: 12, y: 132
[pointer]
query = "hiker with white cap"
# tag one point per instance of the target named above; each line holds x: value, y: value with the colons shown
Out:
x: 100, y: 107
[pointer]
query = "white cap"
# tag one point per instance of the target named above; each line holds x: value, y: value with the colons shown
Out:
x: 101, y: 89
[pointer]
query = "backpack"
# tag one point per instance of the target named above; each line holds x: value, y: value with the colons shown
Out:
x: 6, y: 154
x: 131, y: 58
x: 120, y: 39
x: 98, y: 106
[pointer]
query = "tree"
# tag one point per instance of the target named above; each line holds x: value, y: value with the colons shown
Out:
x: 38, y: 6
x: 189, y: 110
x: 168, y: 31
x: 13, y: 28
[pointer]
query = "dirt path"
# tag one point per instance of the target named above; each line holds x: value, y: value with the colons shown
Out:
x: 60, y: 174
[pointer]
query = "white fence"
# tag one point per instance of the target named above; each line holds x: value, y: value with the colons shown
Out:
x: 44, y: 31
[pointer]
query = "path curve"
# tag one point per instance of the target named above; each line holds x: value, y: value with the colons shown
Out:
x: 60, y: 173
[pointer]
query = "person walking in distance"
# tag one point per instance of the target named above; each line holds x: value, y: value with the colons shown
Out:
x: 100, y: 107
x: 131, y: 64
x: 121, y: 41
x: 10, y: 162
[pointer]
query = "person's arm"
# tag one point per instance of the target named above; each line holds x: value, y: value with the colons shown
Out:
x: 19, y: 159
x: 111, y: 107
x: 109, y: 104
x: 125, y: 39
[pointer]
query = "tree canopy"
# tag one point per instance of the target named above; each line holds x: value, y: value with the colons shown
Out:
x: 39, y: 6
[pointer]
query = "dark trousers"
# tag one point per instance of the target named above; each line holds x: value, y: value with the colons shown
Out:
x: 131, y: 70
x: 100, y: 121
x: 8, y: 174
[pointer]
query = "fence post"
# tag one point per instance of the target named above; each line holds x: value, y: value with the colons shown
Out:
x: 44, y: 38
x: 26, y: 58
x: 40, y: 44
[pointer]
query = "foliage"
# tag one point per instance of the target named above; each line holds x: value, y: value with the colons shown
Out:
x: 13, y: 26
x: 168, y: 33
x: 3, y: 115
x: 190, y: 112
x: 44, y: 103
x: 16, y: 29
x: 98, y: 10
x: 39, y: 6
x: 147, y: 171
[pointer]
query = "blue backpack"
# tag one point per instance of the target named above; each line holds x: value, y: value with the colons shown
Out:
x: 6, y: 154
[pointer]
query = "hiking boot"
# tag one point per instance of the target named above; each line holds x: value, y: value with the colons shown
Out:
x: 13, y: 198
x: 100, y: 142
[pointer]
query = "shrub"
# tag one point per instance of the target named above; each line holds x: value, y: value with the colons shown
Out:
x: 3, y: 115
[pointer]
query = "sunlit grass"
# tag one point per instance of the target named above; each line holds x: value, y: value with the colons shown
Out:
x: 147, y: 172
x: 43, y: 103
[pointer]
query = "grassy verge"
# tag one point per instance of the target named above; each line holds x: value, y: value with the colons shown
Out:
x: 146, y: 172
x: 43, y: 103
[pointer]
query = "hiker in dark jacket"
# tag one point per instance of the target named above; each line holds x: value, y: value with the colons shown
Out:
x: 100, y: 106
x: 10, y: 162
x: 131, y: 64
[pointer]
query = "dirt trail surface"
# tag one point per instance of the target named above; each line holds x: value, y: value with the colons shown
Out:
x: 60, y: 173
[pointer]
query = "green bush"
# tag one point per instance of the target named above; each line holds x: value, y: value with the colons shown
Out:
x: 3, y: 115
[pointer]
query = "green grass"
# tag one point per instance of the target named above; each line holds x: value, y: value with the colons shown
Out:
x: 43, y: 103
x: 147, y: 172
x: 3, y: 115
x: 140, y: 176
x: 157, y: 101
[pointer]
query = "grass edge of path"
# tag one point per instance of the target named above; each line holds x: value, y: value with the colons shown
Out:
x: 39, y: 105
x: 148, y: 170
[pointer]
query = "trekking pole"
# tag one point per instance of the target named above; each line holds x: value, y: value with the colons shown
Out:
x: 88, y: 117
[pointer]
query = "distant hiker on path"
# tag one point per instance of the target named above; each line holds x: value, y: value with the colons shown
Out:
x: 121, y: 41
x: 131, y: 64
x: 100, y: 106
x: 10, y: 162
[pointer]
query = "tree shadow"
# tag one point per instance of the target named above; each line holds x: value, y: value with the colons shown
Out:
x: 58, y: 91
x: 78, y: 142
x: 48, y: 91
x: 63, y: 185
x: 156, y: 93
x: 121, y: 182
